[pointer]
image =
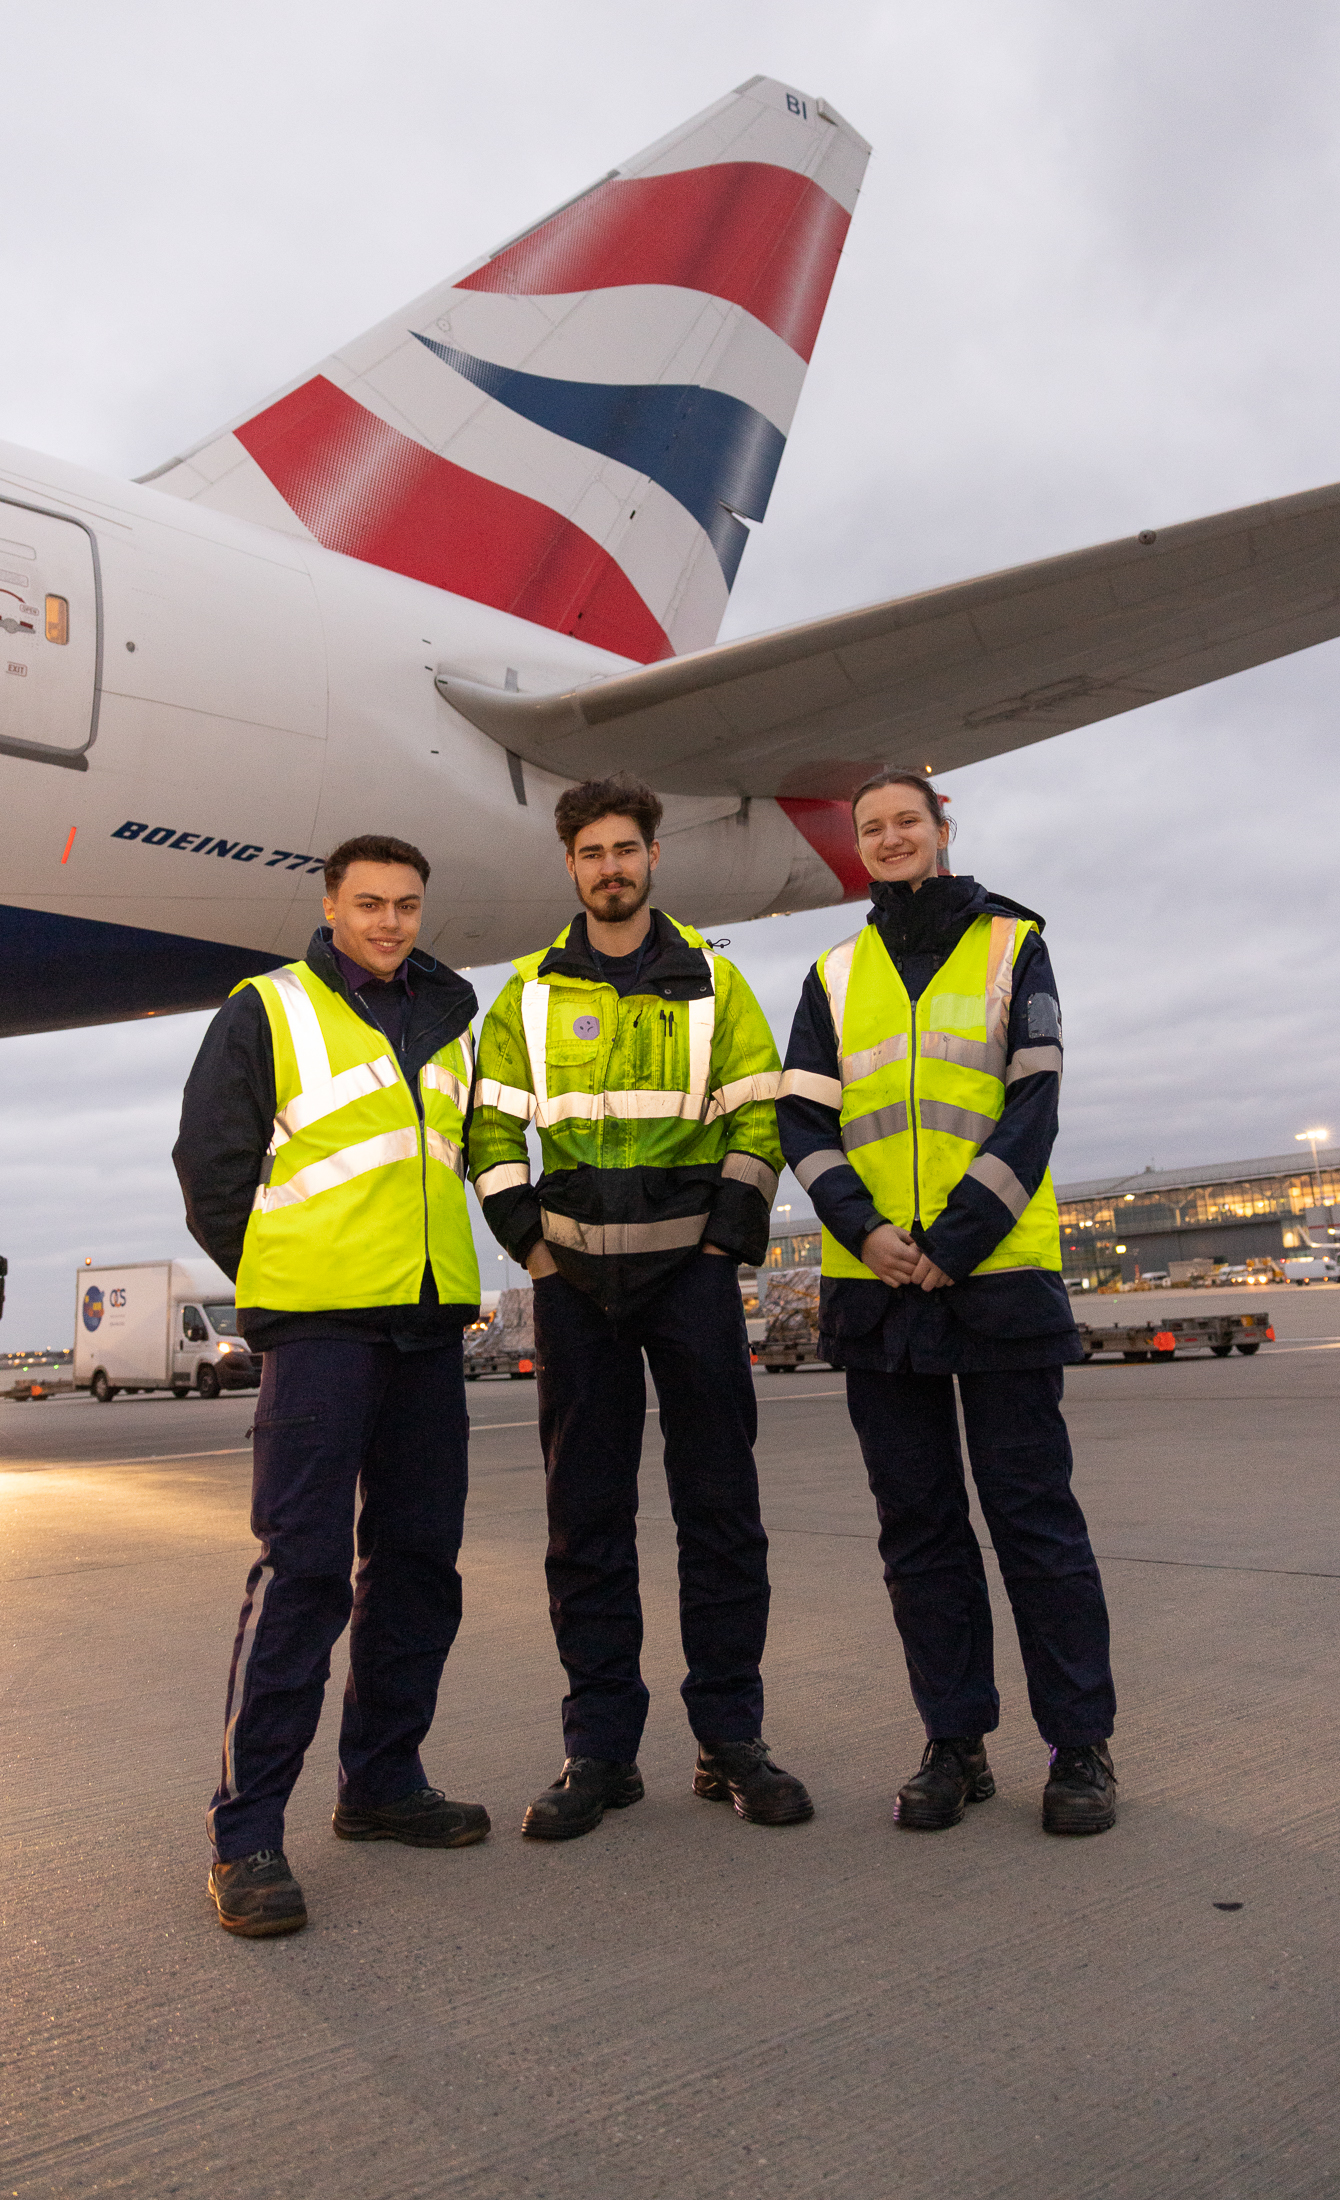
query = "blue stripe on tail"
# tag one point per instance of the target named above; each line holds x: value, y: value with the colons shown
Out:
x: 712, y: 453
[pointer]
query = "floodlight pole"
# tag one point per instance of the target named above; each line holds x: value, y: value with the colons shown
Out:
x: 1311, y: 1137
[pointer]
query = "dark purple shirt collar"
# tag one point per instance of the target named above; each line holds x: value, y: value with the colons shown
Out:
x: 354, y: 975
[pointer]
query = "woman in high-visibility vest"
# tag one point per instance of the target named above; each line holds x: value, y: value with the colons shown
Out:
x: 918, y: 1109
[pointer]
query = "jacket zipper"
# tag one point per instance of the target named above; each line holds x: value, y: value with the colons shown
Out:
x: 912, y: 1115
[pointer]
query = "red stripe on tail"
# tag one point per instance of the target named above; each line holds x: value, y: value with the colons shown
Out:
x: 765, y: 238
x: 363, y: 488
x: 827, y: 827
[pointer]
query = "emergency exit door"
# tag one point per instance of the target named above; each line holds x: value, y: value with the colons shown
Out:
x: 49, y: 640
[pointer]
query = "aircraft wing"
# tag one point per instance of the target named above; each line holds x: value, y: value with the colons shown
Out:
x: 943, y: 679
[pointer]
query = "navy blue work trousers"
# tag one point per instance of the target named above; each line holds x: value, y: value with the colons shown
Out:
x: 1019, y: 1448
x: 337, y: 1420
x: 593, y: 1412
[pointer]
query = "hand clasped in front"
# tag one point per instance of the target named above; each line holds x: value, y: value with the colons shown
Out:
x: 896, y: 1258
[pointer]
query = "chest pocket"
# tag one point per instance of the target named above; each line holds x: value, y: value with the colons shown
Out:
x: 580, y: 1026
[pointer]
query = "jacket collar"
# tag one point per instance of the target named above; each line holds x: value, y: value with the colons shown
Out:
x: 444, y: 1002
x: 672, y: 962
x: 939, y: 911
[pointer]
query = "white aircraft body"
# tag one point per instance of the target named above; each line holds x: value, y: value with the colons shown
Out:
x: 485, y: 551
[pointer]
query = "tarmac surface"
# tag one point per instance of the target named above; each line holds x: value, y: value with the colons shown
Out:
x: 681, y: 2004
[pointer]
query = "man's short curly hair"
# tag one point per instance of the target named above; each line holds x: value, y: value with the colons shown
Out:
x: 372, y: 848
x: 621, y: 795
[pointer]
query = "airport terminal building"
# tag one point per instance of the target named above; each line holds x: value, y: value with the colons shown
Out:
x: 1115, y: 1228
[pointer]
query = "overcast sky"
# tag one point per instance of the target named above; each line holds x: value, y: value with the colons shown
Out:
x: 1090, y: 287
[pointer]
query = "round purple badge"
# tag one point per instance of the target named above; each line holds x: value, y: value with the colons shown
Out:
x: 586, y: 1027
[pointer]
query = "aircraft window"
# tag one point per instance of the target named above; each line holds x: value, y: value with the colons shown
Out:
x: 58, y: 619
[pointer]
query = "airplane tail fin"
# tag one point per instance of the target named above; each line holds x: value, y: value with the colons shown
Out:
x: 577, y: 428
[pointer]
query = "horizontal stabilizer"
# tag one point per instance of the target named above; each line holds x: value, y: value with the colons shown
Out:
x: 939, y: 680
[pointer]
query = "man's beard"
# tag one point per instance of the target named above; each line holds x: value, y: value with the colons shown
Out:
x: 623, y: 911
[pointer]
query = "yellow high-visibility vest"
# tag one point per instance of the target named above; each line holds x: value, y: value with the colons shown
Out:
x: 356, y: 1194
x: 921, y: 1088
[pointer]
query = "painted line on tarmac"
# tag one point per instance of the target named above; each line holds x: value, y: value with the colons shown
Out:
x: 151, y: 1459
x: 481, y: 1428
x: 1105, y: 1558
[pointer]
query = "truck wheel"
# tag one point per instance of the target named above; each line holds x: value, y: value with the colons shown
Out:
x: 207, y: 1381
x: 1247, y: 1350
x: 181, y: 1390
x: 102, y: 1390
x: 1221, y: 1351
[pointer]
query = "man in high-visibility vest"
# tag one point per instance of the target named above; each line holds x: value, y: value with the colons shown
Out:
x: 321, y: 1158
x: 919, y: 1110
x: 645, y: 1064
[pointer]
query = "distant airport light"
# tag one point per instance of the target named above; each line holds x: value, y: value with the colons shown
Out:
x: 1128, y: 1195
x: 1121, y: 1248
x: 1314, y: 1138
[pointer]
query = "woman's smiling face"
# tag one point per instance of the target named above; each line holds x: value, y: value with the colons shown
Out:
x: 897, y: 837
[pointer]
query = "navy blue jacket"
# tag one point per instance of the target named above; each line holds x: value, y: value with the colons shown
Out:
x: 1018, y: 1318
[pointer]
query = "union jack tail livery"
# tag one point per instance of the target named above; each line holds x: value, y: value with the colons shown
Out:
x: 577, y: 428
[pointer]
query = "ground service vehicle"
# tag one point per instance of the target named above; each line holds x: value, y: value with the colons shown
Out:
x: 159, y: 1325
x: 1313, y: 1268
x: 791, y: 1315
x: 505, y: 1344
x: 1186, y: 1333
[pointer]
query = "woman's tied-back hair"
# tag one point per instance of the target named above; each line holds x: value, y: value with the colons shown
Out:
x: 371, y: 848
x: 621, y: 795
x: 935, y: 801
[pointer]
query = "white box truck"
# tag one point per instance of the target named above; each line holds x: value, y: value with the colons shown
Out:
x: 159, y: 1325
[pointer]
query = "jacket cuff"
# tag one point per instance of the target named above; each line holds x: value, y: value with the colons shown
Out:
x: 737, y: 1221
x: 514, y: 1218
x: 968, y: 1231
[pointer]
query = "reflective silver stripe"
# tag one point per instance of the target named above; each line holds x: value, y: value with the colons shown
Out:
x: 864, y: 1130
x: 807, y: 1085
x: 951, y: 1046
x: 702, y: 1030
x: 1033, y: 1062
x: 727, y: 1098
x: 237, y: 1693
x: 836, y: 976
x: 446, y: 1081
x: 318, y: 1100
x: 1006, y: 933
x: 938, y: 1115
x: 612, y: 1239
x: 626, y: 1107
x: 535, y: 1032
x: 304, y: 1028
x: 864, y: 1064
x: 444, y: 1150
x: 510, y: 1099
x: 340, y: 1168
x: 504, y: 1178
x: 746, y: 1168
x: 816, y: 1165
x: 1001, y: 1180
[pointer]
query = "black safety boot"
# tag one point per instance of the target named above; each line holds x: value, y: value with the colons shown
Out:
x: 424, y: 1820
x: 743, y: 1773
x: 585, y: 1789
x: 954, y: 1772
x: 1081, y: 1791
x: 258, y: 1896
